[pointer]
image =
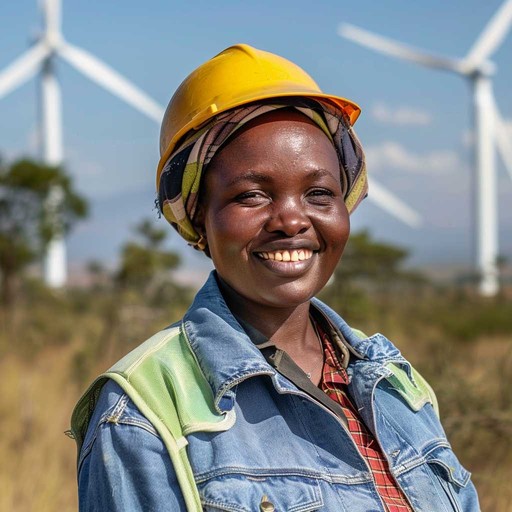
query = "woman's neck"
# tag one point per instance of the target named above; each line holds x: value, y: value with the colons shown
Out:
x: 289, y: 328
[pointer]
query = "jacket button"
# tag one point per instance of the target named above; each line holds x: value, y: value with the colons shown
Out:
x: 265, y: 505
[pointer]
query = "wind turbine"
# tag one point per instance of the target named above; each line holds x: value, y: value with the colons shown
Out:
x: 488, y: 123
x: 42, y: 57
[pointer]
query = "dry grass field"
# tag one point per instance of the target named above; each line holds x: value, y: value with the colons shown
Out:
x: 51, y: 347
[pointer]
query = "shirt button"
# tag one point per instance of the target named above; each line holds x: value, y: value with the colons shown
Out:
x: 265, y: 505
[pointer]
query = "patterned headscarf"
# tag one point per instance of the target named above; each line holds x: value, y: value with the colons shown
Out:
x: 180, y: 180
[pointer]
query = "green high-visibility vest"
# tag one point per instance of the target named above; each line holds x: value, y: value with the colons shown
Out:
x: 164, y: 381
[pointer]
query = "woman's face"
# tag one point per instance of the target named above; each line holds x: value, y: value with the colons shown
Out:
x: 273, y: 212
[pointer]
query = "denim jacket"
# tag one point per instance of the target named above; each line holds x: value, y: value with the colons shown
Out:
x: 283, y: 450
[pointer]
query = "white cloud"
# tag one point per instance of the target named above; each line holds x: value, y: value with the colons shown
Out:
x: 100, y: 179
x: 392, y: 155
x: 403, y: 116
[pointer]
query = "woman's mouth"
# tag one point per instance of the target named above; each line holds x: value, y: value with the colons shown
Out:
x: 293, y: 255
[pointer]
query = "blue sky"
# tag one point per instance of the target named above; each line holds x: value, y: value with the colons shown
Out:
x: 415, y: 123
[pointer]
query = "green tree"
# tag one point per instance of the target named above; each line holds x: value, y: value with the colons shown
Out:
x: 27, y: 223
x: 143, y: 282
x: 367, y: 260
x: 145, y: 263
x: 366, y: 275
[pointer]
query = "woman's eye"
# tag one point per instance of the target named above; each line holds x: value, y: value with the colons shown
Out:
x: 321, y: 192
x: 320, y: 195
x: 251, y: 197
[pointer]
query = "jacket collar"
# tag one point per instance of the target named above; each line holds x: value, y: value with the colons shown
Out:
x: 376, y: 348
x: 223, y: 350
x: 227, y: 356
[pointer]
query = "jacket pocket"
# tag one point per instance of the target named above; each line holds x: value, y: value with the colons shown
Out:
x: 450, y: 476
x: 268, y: 493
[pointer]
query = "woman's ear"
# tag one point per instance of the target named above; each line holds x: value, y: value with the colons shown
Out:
x: 198, y: 223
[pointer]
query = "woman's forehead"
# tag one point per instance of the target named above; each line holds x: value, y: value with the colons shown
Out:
x: 276, y: 119
x: 275, y: 132
x: 274, y: 144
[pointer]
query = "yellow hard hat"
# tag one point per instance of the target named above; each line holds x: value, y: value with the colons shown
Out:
x: 240, y: 74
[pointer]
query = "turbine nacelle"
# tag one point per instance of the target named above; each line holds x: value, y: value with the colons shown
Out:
x: 53, y: 41
x: 487, y: 68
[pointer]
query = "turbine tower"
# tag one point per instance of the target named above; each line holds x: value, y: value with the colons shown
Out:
x: 489, y: 127
x: 42, y: 57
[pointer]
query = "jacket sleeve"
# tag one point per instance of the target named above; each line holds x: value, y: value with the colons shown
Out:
x: 124, y: 465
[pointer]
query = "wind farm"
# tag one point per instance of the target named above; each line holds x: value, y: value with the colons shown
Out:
x: 120, y: 273
x: 49, y: 39
x: 42, y: 58
x: 489, y: 128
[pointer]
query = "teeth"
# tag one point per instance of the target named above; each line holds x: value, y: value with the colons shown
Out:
x: 295, y: 255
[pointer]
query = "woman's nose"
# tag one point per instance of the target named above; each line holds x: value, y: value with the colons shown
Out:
x: 288, y: 218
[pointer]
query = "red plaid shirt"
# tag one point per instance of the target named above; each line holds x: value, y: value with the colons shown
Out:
x: 334, y: 382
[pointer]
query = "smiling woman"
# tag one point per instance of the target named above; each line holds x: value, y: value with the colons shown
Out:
x: 262, y: 397
x: 274, y: 192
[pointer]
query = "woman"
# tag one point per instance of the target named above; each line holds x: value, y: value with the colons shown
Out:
x: 263, y: 398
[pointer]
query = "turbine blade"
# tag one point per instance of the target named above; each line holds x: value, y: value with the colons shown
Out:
x: 111, y: 80
x: 386, y: 200
x: 502, y: 139
x: 397, y: 49
x: 52, y: 15
x: 23, y: 68
x: 491, y: 36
